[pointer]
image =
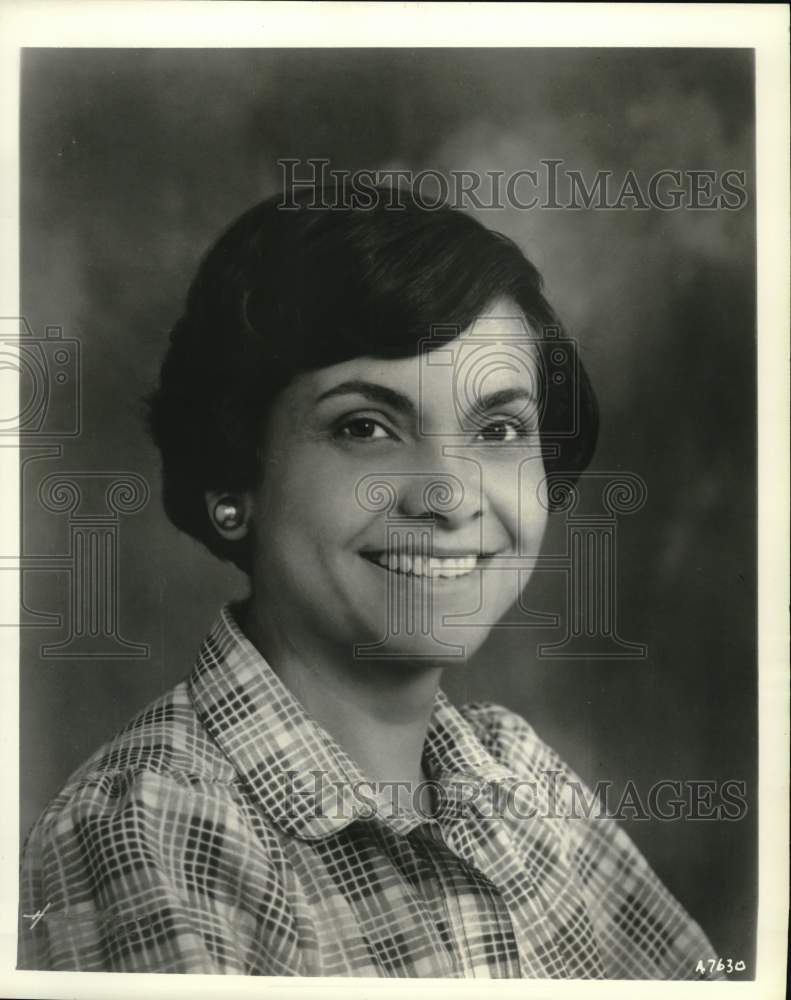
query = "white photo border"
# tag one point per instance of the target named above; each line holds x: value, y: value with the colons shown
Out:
x: 762, y: 27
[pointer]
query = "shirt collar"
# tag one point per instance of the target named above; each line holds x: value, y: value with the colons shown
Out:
x: 297, y: 773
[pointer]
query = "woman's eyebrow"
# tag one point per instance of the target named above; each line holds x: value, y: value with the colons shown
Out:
x: 502, y: 397
x: 373, y: 391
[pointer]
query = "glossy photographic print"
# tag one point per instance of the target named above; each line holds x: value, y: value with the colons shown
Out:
x: 387, y: 445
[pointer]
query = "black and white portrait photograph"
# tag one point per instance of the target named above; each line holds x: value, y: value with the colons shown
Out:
x: 395, y: 430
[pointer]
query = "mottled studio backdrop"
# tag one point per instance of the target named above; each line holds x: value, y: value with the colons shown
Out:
x: 133, y: 161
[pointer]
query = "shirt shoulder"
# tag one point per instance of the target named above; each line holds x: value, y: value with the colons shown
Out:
x: 151, y: 857
x: 641, y: 928
x: 511, y: 739
x: 165, y: 741
x: 161, y: 757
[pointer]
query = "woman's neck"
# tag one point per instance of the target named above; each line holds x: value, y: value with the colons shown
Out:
x: 377, y: 710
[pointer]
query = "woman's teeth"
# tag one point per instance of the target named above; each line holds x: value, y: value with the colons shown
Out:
x: 427, y: 565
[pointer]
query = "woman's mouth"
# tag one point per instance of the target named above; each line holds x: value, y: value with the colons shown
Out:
x: 432, y: 567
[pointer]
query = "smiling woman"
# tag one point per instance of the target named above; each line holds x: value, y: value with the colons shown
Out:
x: 360, y: 409
x: 393, y: 423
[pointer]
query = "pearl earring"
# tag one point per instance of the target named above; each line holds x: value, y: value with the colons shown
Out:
x: 226, y: 515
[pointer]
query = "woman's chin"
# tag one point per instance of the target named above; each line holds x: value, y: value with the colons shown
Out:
x: 443, y: 646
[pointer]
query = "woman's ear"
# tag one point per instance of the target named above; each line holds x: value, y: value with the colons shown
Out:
x: 229, y: 513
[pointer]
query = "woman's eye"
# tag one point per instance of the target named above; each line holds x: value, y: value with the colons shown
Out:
x: 501, y: 432
x: 363, y: 429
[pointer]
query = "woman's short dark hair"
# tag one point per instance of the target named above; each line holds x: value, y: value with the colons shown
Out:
x: 288, y: 290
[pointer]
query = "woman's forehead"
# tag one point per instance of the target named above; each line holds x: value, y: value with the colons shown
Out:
x: 496, y: 351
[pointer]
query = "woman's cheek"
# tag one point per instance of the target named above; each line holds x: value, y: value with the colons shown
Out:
x: 509, y: 492
x: 330, y: 504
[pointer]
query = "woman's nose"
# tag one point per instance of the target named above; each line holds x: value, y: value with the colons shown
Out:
x: 446, y: 488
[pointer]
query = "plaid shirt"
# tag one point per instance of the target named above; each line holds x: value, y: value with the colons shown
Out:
x: 215, y: 834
